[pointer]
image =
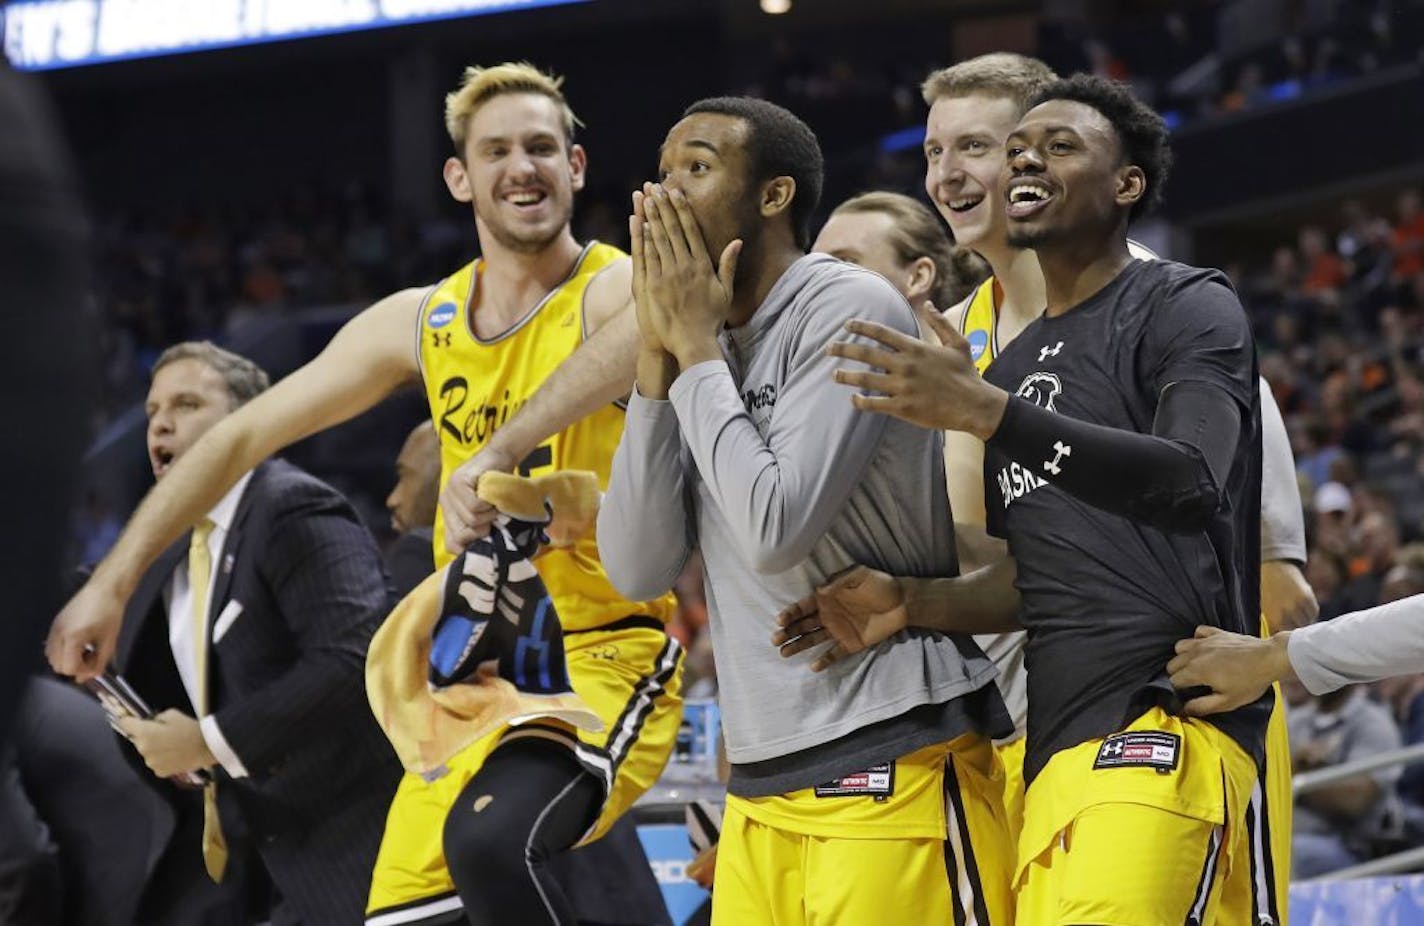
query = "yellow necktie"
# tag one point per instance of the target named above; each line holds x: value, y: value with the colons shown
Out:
x: 200, y: 568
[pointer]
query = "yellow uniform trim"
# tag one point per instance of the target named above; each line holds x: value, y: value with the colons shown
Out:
x: 936, y: 850
x: 628, y: 672
x: 1139, y: 845
x: 980, y: 324
x: 475, y: 385
x: 631, y: 677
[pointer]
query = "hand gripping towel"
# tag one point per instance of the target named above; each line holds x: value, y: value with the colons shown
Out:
x: 477, y: 646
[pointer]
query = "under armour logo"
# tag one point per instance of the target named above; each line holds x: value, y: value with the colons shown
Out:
x: 440, y: 338
x: 1045, y: 352
x: 1064, y: 450
x: 1112, y: 748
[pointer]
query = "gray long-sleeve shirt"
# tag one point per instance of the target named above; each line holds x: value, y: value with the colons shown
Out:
x: 763, y: 463
x: 1282, y: 517
x: 1364, y: 646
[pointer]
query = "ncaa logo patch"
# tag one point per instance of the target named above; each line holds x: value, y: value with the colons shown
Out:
x: 442, y: 315
x: 978, y: 343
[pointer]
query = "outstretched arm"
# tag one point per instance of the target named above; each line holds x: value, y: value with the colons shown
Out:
x: 1364, y: 646
x: 369, y: 358
x: 1171, y: 479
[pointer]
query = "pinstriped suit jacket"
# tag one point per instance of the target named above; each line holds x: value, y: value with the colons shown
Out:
x: 299, y: 590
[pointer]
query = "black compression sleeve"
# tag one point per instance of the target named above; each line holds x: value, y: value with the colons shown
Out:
x: 1171, y: 479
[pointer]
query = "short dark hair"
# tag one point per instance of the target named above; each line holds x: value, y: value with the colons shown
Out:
x: 1140, y: 131
x: 779, y: 145
x: 245, y: 380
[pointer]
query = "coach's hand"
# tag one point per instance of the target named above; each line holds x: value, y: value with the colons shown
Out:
x: 467, y: 516
x: 171, y: 743
x: 1237, y: 668
x: 854, y: 611
x: 83, y: 636
x: 1287, y: 599
x: 934, y: 386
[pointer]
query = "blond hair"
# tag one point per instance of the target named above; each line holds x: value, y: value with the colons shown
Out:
x: 480, y: 85
x: 917, y: 232
x: 1000, y: 74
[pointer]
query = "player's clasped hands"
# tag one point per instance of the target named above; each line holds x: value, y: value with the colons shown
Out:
x: 853, y: 612
x: 682, y: 298
x: 931, y: 385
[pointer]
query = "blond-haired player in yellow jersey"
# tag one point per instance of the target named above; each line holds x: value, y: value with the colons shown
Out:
x: 483, y: 342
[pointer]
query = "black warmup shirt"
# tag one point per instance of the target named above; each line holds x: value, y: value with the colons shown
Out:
x: 1105, y: 599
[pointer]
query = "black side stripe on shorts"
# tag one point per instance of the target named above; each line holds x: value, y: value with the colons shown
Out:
x: 1197, y: 914
x: 951, y: 866
x: 1263, y: 862
x: 963, y: 847
x: 624, y: 733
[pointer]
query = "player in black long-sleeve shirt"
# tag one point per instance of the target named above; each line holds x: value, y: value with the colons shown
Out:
x: 1122, y: 465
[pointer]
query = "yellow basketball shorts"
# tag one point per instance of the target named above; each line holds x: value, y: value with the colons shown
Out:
x: 919, y: 840
x: 1146, y: 827
x: 630, y: 675
x: 1268, y: 829
x: 1011, y: 757
x: 1269, y: 818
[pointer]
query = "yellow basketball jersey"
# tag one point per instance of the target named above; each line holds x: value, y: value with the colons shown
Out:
x: 475, y: 386
x: 980, y: 324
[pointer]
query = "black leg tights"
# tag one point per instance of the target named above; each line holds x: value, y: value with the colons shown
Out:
x: 530, y: 799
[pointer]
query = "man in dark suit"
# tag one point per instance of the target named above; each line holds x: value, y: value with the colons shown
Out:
x: 248, y: 637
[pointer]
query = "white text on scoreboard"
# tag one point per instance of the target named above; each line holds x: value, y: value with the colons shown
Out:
x: 41, y: 34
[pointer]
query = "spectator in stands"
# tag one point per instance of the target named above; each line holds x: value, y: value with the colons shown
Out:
x: 1408, y: 236
x: 1364, y: 243
x: 1338, y: 825
x: 1326, y: 575
x: 1375, y: 542
x: 1324, y: 270
x: 1406, y: 695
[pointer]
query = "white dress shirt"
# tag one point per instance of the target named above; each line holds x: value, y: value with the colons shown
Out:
x: 180, y: 623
